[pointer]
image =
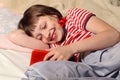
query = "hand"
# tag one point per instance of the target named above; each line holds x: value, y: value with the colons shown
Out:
x: 59, y: 53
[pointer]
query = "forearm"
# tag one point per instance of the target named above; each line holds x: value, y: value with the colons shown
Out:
x: 7, y: 44
x: 105, y: 36
x: 20, y: 38
x: 99, y: 41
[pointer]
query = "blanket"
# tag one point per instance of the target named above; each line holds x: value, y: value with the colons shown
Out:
x: 100, y: 63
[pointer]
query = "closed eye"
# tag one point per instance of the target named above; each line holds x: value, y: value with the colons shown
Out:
x: 39, y: 37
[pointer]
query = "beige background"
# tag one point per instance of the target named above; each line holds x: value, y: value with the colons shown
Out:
x: 108, y: 10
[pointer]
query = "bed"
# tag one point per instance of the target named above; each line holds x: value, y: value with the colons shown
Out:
x: 14, y: 62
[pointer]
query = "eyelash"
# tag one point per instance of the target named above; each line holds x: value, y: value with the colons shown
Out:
x: 39, y: 37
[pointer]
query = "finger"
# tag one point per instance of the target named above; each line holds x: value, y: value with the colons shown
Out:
x: 65, y: 59
x: 49, y: 49
x: 60, y: 58
x: 53, y: 58
x: 48, y: 56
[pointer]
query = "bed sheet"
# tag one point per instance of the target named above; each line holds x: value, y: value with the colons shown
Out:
x: 13, y: 64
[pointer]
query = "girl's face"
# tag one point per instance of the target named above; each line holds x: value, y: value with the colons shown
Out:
x: 48, y: 30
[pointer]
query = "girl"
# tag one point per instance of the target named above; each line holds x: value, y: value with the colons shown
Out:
x: 46, y: 28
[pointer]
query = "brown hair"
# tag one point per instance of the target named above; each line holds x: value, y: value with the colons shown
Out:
x: 31, y: 15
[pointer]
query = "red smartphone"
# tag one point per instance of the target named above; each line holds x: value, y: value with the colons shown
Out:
x: 37, y: 56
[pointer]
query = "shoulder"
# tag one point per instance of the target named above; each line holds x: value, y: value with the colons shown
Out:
x: 77, y: 12
x: 74, y: 9
x: 78, y: 17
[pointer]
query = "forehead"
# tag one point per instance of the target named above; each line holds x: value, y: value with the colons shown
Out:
x: 39, y: 21
x: 42, y: 19
x: 47, y: 17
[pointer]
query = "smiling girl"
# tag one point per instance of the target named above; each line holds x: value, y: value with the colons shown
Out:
x: 44, y: 27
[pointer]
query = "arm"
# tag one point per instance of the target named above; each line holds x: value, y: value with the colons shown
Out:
x: 20, y: 38
x: 105, y: 36
x: 7, y: 44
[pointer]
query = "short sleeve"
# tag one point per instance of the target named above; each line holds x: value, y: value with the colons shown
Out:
x: 78, y: 17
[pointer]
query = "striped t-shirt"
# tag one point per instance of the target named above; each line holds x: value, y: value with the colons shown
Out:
x: 75, y: 26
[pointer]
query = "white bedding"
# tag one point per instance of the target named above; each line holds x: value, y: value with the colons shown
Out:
x: 14, y: 63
